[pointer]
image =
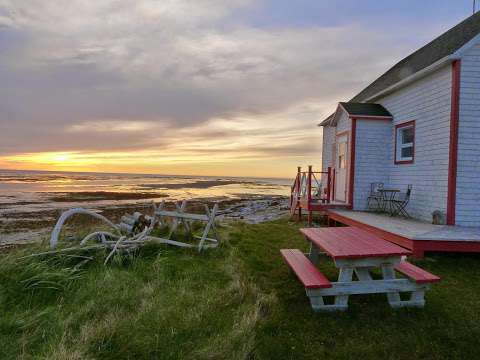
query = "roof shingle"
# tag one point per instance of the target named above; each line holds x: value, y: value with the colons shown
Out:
x: 444, y: 45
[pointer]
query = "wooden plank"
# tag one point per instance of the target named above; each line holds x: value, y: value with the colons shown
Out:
x: 414, y: 272
x: 306, y: 272
x: 168, y: 241
x: 367, y: 261
x: 189, y: 216
x: 351, y: 242
x: 211, y: 222
x: 367, y: 287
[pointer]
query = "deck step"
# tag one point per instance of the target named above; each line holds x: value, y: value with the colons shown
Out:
x: 306, y: 272
x: 414, y: 272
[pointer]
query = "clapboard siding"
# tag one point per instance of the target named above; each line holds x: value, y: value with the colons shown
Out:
x: 371, y: 158
x: 468, y: 166
x: 327, y: 147
x: 426, y: 101
x: 344, y: 123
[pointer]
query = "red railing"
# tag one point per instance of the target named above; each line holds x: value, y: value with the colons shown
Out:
x: 311, y: 186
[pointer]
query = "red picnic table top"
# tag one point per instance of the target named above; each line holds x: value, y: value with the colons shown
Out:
x: 351, y: 242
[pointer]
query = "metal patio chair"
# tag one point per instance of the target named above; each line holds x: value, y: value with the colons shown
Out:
x: 375, y: 197
x: 400, y: 203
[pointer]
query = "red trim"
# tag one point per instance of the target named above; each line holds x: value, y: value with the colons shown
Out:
x: 333, y: 185
x: 342, y: 133
x: 418, y: 247
x: 319, y: 206
x: 453, y: 147
x: 399, y: 126
x: 352, y: 162
x: 370, y: 117
x: 397, y: 239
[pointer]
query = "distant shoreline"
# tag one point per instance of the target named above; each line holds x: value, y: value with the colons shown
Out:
x: 152, y: 174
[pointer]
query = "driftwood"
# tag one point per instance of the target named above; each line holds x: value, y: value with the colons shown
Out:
x: 134, y: 229
x: 180, y: 216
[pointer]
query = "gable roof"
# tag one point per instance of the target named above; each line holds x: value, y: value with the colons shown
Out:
x: 444, y: 45
x: 365, y: 109
x: 358, y: 110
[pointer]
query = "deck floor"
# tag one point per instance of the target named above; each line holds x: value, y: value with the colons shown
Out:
x: 412, y: 229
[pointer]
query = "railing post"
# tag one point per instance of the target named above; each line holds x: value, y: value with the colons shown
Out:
x: 329, y: 183
x: 309, y: 195
x: 334, y: 174
x: 309, y: 185
x: 299, y: 177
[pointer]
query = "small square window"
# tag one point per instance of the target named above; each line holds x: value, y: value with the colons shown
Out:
x: 404, y: 142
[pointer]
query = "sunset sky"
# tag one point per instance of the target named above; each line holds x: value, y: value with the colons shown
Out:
x: 203, y: 87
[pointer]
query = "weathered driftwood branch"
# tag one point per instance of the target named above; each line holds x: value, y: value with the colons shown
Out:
x: 67, y: 214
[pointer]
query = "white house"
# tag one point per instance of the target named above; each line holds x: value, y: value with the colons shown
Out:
x: 419, y: 124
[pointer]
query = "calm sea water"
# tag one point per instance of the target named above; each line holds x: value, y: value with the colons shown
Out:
x: 23, y: 191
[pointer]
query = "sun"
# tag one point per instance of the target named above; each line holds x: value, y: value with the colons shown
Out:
x: 61, y: 158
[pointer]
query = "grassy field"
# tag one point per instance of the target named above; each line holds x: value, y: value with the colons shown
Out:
x: 235, y: 302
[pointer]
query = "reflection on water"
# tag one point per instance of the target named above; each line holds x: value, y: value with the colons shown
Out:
x: 36, y: 190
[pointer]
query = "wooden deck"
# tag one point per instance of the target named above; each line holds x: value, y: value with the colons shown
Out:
x: 412, y: 234
x: 319, y: 205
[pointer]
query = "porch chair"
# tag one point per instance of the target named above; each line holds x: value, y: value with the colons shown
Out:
x: 400, y: 203
x: 375, y: 196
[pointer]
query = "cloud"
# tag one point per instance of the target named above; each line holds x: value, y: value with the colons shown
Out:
x: 148, y: 75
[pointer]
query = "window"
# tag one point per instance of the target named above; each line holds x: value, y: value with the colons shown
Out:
x: 405, y: 143
x: 342, y: 150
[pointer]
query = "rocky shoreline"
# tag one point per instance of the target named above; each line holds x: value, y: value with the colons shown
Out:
x: 20, y: 227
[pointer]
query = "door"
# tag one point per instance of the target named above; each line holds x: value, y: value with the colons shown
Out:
x: 341, y: 167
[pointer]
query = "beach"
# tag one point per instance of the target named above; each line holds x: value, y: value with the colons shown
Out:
x: 31, y: 201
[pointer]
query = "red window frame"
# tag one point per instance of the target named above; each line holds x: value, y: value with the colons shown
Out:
x: 399, y: 126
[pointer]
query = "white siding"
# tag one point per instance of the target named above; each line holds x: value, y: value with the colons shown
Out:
x: 371, y: 157
x: 426, y: 101
x: 468, y: 166
x: 327, y: 146
x: 344, y: 123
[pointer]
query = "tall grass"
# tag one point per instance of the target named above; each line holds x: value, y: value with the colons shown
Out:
x: 157, y: 303
x: 235, y: 302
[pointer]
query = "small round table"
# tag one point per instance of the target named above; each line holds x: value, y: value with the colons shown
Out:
x: 388, y: 195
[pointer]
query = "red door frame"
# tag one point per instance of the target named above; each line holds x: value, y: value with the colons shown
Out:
x: 453, y: 147
x: 347, y: 186
x: 351, y: 172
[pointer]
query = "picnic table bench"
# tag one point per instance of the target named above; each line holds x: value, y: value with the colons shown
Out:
x: 356, y: 252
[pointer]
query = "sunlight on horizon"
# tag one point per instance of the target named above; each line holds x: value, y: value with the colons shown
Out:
x: 244, y: 145
x: 148, y: 162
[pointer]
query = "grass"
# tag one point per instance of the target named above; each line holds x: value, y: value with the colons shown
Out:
x: 235, y: 302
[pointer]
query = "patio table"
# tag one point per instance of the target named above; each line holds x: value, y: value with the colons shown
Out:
x: 355, y: 251
x: 388, y: 195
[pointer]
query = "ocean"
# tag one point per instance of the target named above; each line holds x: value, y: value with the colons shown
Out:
x: 33, y: 199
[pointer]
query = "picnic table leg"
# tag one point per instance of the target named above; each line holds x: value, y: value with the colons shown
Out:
x: 345, y: 275
x: 363, y: 273
x: 313, y: 254
x: 388, y: 273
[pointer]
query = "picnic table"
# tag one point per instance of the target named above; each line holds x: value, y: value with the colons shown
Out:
x: 356, y: 251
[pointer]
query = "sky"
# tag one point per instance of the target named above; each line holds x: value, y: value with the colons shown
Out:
x: 197, y: 87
